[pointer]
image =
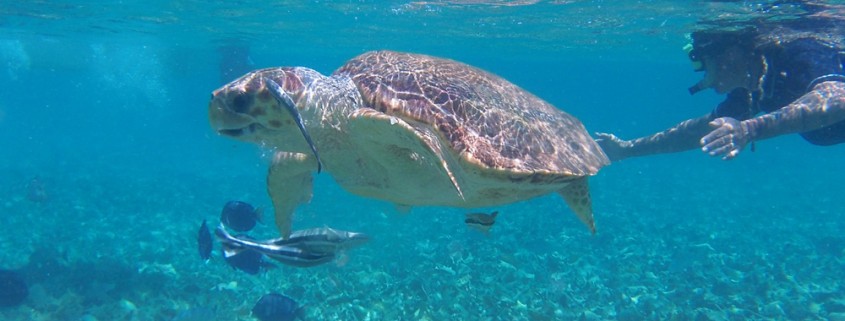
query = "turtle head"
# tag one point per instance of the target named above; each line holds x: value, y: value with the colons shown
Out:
x: 249, y: 108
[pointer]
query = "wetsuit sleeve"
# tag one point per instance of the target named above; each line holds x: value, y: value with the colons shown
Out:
x: 681, y: 137
x: 819, y: 116
x: 686, y: 135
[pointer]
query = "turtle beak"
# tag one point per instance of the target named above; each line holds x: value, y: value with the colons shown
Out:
x: 225, y: 119
x: 226, y: 122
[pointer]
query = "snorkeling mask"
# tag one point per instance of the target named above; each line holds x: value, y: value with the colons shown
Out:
x: 697, y: 65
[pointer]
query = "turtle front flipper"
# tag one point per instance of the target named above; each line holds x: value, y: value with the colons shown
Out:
x: 577, y: 195
x: 289, y: 183
x: 397, y: 153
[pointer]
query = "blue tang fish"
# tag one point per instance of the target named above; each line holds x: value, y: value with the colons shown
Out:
x: 276, y: 307
x: 204, y: 242
x: 240, y: 216
x: 247, y: 260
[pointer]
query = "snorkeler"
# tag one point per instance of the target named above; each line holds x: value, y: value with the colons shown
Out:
x: 235, y: 59
x: 780, y: 79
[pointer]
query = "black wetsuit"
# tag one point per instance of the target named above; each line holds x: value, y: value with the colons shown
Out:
x: 793, y: 70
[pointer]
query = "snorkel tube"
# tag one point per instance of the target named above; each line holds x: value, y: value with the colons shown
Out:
x: 697, y: 87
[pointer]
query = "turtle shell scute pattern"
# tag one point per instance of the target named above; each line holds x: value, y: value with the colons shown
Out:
x: 484, y: 118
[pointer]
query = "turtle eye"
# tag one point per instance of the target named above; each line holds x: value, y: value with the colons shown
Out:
x: 240, y: 104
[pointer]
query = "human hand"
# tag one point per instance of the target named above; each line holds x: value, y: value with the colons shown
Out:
x: 612, y: 146
x: 728, y: 138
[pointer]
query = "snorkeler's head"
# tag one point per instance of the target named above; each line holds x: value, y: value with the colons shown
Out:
x: 714, y: 42
x: 710, y: 45
x: 721, y: 46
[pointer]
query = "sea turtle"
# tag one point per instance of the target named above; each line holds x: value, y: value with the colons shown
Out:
x: 410, y: 129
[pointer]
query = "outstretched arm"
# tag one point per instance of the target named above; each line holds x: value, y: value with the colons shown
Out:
x: 823, y: 106
x: 681, y: 137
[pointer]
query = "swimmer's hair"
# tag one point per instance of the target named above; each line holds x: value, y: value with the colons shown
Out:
x: 761, y: 35
x: 714, y: 41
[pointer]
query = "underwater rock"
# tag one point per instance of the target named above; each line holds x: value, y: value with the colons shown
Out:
x: 835, y: 306
x: 773, y: 310
x: 629, y: 314
x: 196, y: 314
x: 276, y: 307
x: 13, y: 289
x: 836, y: 316
x: 589, y: 316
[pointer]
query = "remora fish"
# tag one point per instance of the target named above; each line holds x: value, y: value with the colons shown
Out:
x: 285, y: 254
x: 323, y: 240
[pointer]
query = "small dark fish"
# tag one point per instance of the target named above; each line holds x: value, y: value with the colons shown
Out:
x: 35, y: 191
x: 276, y: 307
x: 234, y: 60
x: 249, y: 261
x: 481, y: 221
x: 13, y: 289
x: 240, y: 216
x: 233, y: 246
x: 284, y: 99
x: 204, y: 242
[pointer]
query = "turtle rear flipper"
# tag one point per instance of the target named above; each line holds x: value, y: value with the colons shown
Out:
x: 577, y: 195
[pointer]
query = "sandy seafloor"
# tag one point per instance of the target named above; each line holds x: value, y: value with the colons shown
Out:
x: 120, y: 141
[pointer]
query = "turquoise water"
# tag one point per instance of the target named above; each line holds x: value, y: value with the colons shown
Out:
x: 105, y: 107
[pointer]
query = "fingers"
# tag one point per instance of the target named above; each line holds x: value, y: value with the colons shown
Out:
x: 714, y: 139
x: 718, y: 122
x: 612, y: 146
x: 720, y: 143
x: 606, y: 136
x: 721, y: 148
x: 726, y: 139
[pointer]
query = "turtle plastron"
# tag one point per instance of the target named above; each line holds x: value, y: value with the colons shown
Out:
x: 289, y: 183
